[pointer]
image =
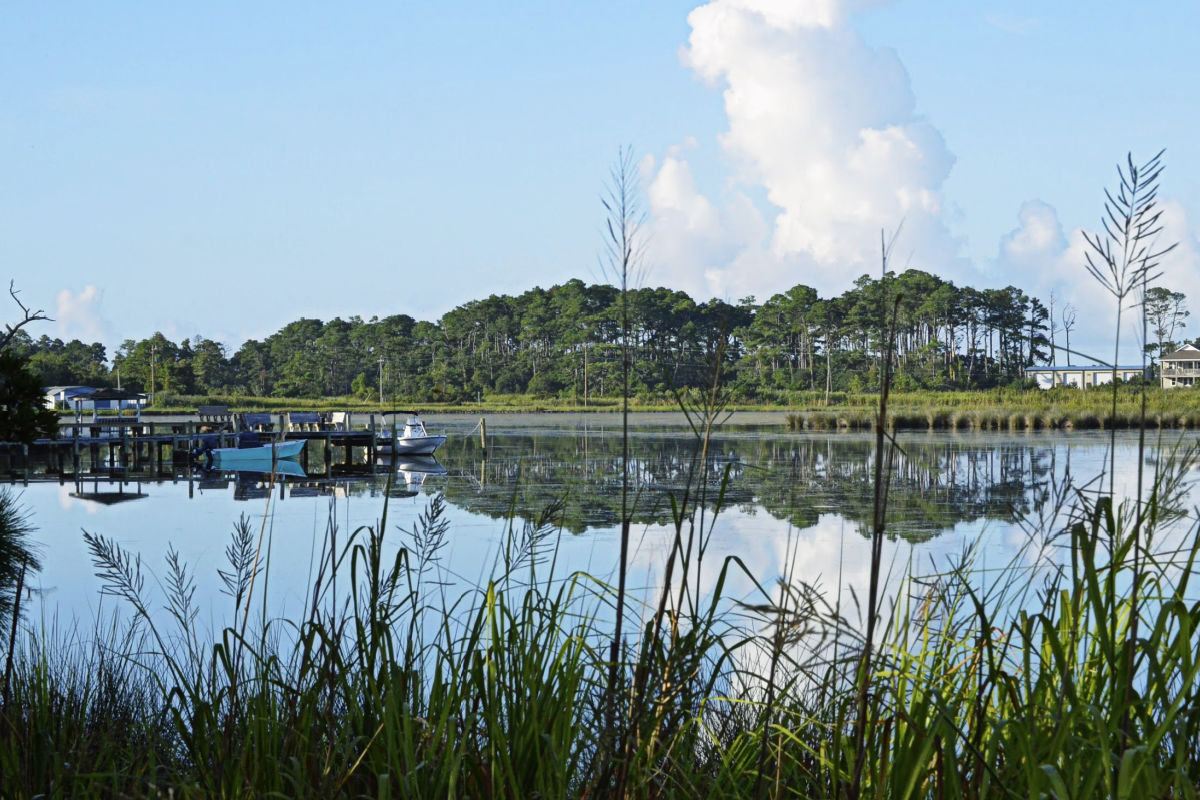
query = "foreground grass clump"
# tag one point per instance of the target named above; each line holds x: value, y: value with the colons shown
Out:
x: 1081, y: 683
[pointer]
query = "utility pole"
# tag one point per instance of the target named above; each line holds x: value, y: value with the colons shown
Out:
x: 382, y: 361
x: 153, y: 358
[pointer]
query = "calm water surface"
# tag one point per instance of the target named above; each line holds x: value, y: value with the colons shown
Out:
x: 792, y: 501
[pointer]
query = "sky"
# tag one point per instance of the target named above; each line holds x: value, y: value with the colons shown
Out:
x: 222, y: 169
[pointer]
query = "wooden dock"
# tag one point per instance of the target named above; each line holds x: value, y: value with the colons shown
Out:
x: 161, y: 446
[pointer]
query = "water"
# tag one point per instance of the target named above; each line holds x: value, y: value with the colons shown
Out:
x: 792, y: 502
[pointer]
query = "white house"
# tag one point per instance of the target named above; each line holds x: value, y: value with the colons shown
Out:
x: 61, y: 397
x: 1180, y: 368
x: 1081, y: 376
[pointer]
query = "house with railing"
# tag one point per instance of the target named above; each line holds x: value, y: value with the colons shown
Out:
x: 1181, y: 368
x: 1080, y: 377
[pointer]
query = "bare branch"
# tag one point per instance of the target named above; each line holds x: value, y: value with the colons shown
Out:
x: 27, y: 316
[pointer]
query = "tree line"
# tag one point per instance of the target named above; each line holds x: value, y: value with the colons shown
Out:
x: 565, y: 342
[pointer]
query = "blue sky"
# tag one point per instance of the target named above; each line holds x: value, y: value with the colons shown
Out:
x: 221, y: 171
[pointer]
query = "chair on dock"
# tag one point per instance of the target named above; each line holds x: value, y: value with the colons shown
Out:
x: 214, y: 419
x: 257, y: 421
x: 338, y: 421
x: 304, y: 421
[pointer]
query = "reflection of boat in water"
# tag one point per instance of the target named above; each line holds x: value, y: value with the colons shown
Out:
x: 266, y: 466
x: 414, y: 440
x: 426, y: 465
x: 414, y: 470
x: 246, y: 468
x: 252, y: 478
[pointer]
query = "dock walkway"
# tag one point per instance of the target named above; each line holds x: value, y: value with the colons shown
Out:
x: 161, y: 443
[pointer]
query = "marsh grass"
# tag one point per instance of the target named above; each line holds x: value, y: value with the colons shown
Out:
x: 983, y: 684
x: 1022, y: 681
x: 1058, y: 409
x: 1027, y: 680
x: 1071, y: 672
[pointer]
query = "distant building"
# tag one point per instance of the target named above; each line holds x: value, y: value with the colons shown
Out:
x: 61, y: 397
x: 117, y: 400
x: 1180, y: 368
x: 1091, y: 375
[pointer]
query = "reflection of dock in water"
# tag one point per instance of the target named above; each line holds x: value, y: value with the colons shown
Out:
x: 291, y: 481
x: 936, y: 481
x: 114, y: 491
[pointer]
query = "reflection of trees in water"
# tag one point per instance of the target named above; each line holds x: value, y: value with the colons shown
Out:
x: 530, y: 473
x: 934, y: 485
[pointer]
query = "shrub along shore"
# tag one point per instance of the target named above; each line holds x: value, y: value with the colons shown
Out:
x: 1062, y: 409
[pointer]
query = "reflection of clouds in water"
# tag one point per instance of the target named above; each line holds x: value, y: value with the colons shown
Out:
x: 831, y: 551
x: 1170, y: 467
x: 1033, y: 551
x: 832, y: 556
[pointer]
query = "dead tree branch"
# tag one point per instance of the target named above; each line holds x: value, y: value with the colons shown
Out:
x: 27, y: 316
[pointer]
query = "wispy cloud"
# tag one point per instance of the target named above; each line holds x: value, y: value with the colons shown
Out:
x: 1021, y: 26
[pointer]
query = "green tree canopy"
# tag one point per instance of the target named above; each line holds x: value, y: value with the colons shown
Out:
x: 23, y: 413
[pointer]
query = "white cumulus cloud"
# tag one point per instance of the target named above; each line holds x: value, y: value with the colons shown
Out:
x: 827, y: 151
x: 673, y: 191
x: 1038, y: 233
x: 1039, y: 257
x: 78, y: 315
x: 824, y: 128
x: 1181, y: 267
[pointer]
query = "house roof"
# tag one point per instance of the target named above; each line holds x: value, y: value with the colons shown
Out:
x: 112, y: 394
x: 1185, y: 353
x: 68, y: 389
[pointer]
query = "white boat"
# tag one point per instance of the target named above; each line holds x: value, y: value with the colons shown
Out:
x: 413, y: 441
x: 250, y: 457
